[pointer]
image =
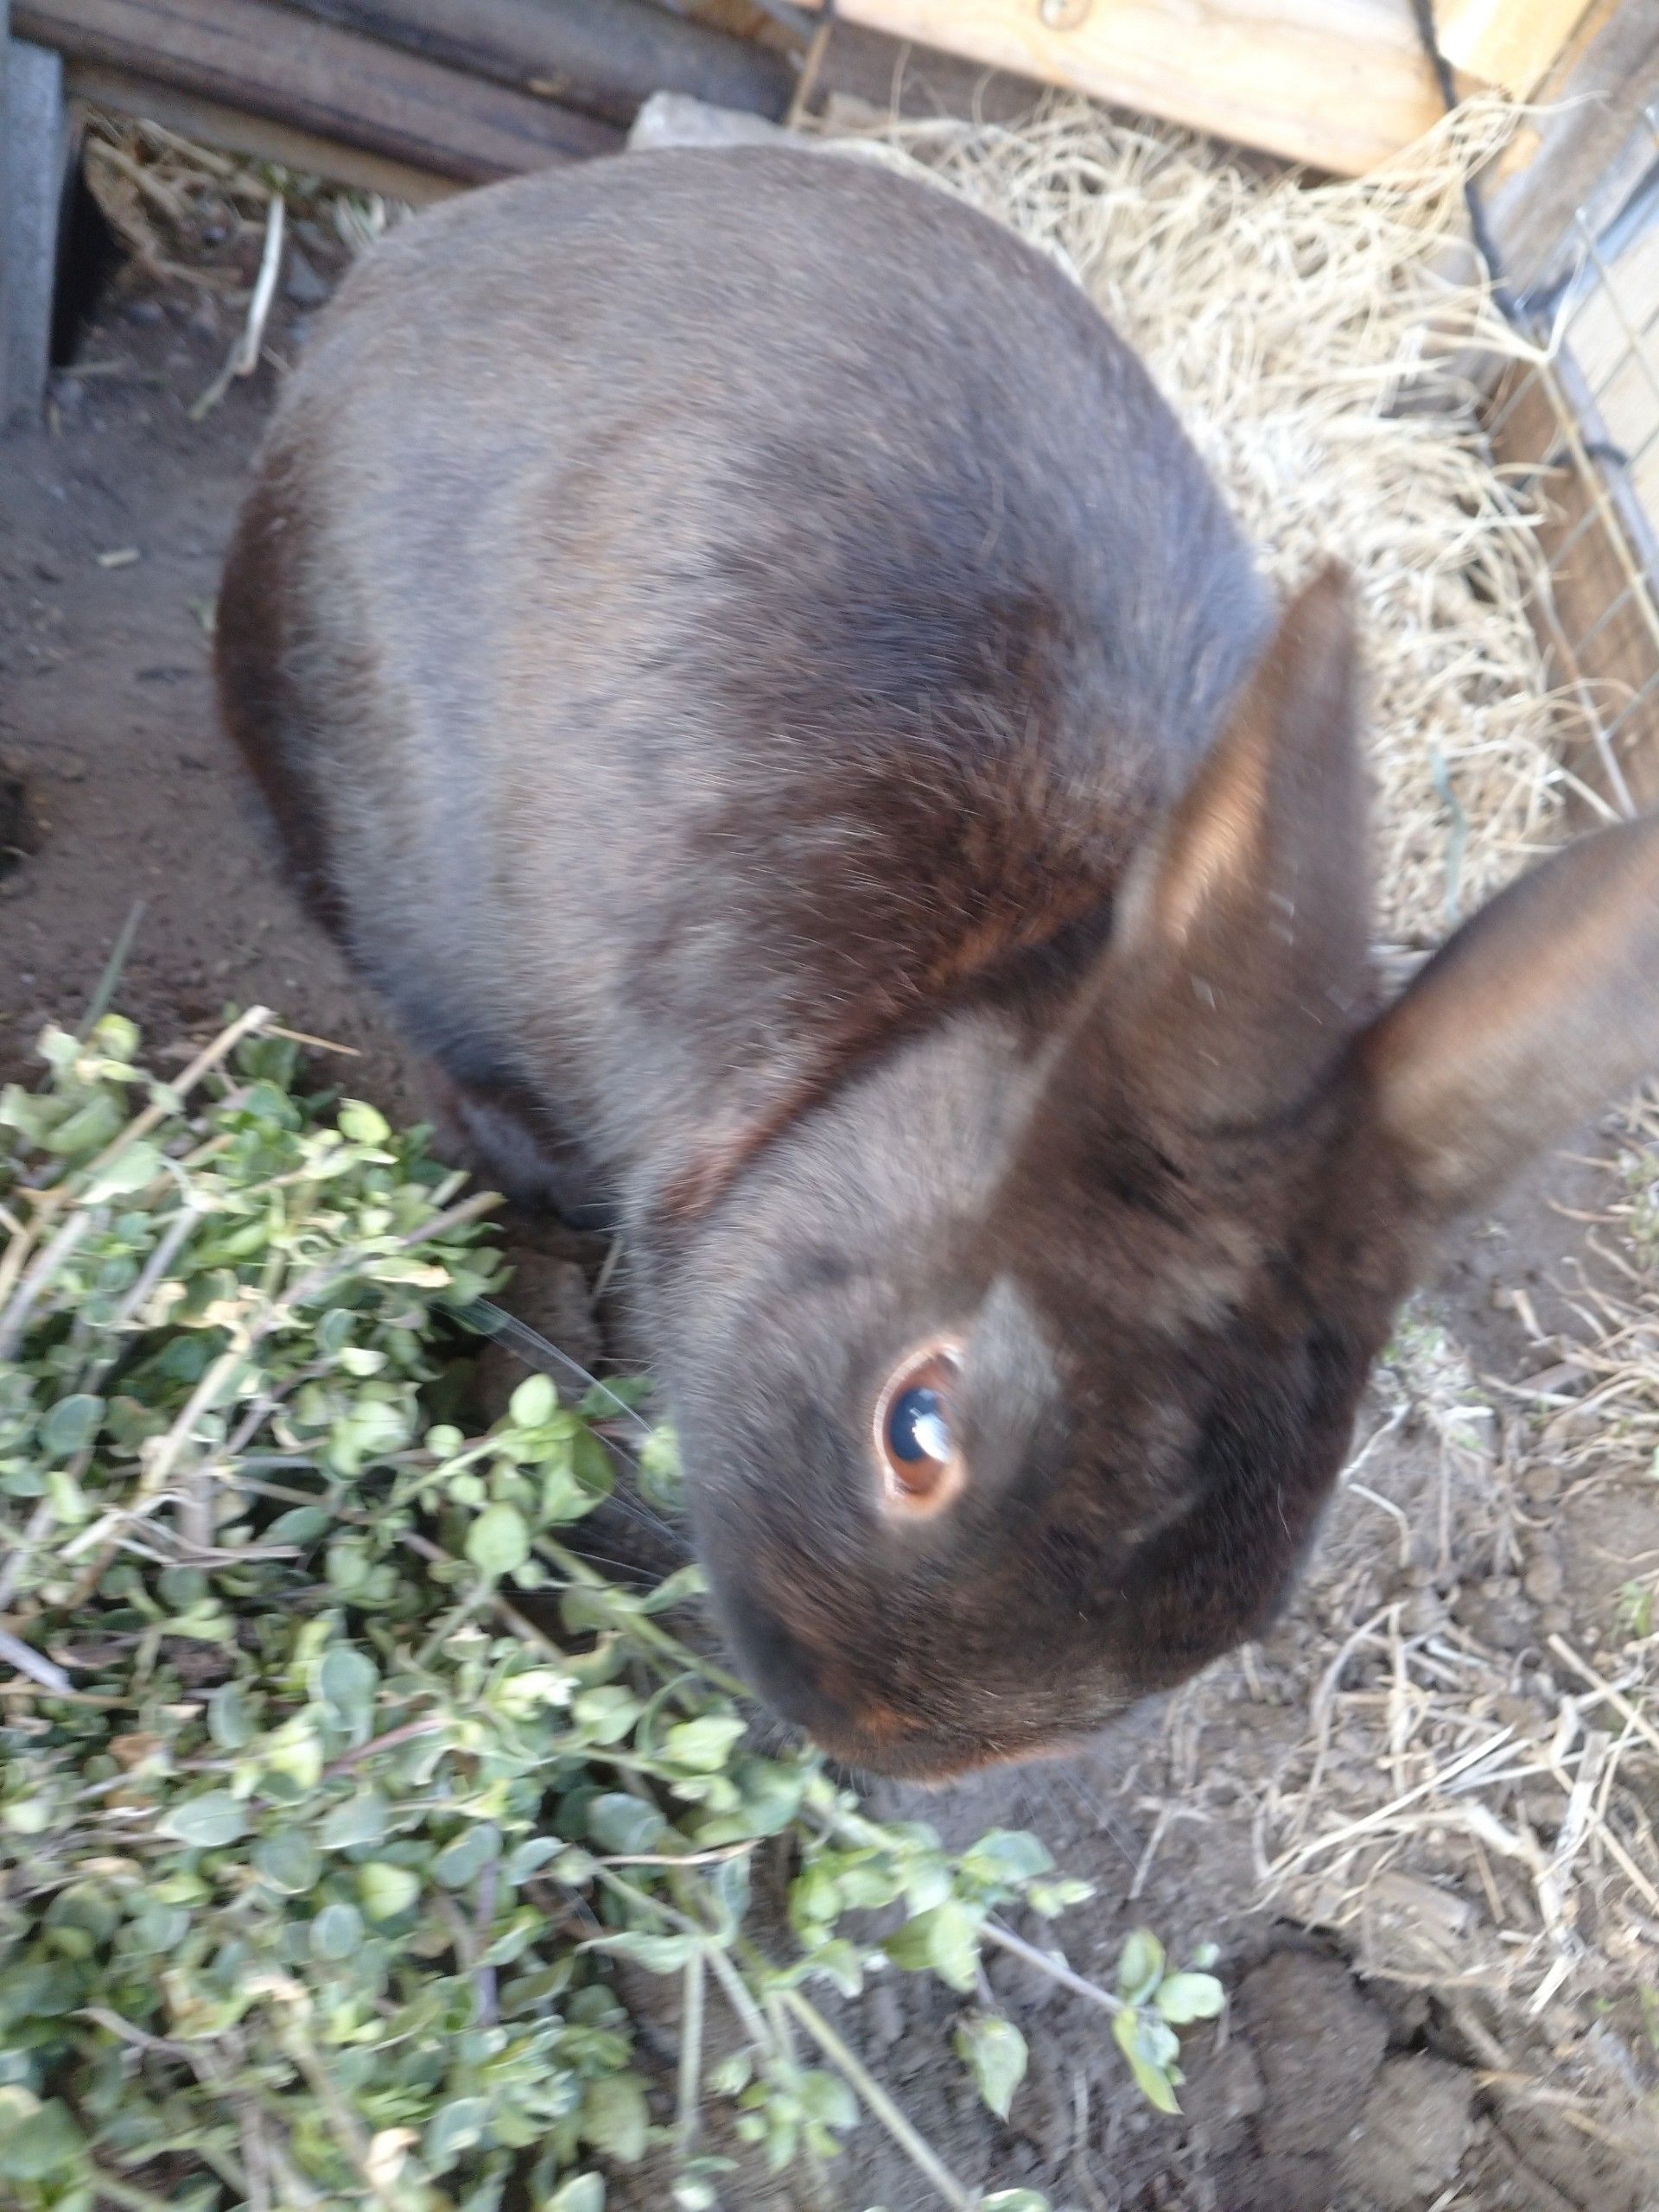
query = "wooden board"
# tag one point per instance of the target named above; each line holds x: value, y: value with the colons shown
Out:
x: 1584, y: 146
x: 265, y: 60
x: 34, y: 156
x: 1340, y: 85
x: 1513, y: 43
x: 606, y: 57
x: 261, y: 139
x: 1598, y: 619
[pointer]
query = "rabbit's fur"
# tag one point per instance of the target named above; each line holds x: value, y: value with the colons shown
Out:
x: 743, y: 657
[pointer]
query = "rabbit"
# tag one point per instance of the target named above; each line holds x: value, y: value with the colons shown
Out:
x: 742, y: 656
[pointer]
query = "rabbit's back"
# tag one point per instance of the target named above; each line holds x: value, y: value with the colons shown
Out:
x: 701, y: 610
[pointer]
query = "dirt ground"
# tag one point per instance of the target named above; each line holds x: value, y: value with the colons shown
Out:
x: 1386, y: 2048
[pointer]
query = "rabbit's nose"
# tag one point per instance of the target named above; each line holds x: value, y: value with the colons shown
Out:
x: 797, y: 1686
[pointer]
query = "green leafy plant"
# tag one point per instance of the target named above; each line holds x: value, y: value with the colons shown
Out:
x: 342, y: 1803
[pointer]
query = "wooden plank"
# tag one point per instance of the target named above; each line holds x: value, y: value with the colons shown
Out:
x: 1612, y: 336
x: 1586, y: 145
x: 257, y: 136
x: 607, y: 59
x: 1511, y: 43
x: 5, y: 317
x: 33, y: 152
x: 263, y: 59
x: 1340, y: 85
x: 1598, y: 619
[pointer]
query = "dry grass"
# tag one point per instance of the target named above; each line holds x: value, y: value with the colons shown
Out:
x: 189, y: 215
x: 1287, y: 324
x: 1472, y: 1804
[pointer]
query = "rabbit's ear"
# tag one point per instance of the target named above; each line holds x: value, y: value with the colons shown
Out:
x: 1239, y: 955
x: 1538, y: 1012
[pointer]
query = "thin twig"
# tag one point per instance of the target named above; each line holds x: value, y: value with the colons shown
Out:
x: 688, y: 2099
x: 24, y: 1657
x: 15, y: 1318
x: 406, y: 1734
x: 1617, y: 1699
x: 243, y: 357
x: 1056, y: 1969
x: 915, y: 2147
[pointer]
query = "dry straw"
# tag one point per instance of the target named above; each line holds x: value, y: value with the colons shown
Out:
x: 1315, y: 346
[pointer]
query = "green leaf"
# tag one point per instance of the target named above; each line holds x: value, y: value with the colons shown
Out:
x: 1008, y: 1855
x: 533, y: 1689
x: 607, y: 1714
x: 730, y: 2075
x: 301, y: 1524
x: 615, y: 2118
x: 207, y: 1822
x: 582, y: 2193
x: 1050, y: 1898
x: 1184, y: 1997
x: 840, y: 1962
x: 347, y: 1679
x: 623, y: 1825
x: 230, y: 1716
x: 704, y: 1744
x: 89, y: 1128
x: 656, y: 1954
x: 1155, y: 2086
x: 944, y: 1941
x: 994, y: 2050
x: 827, y: 2098
x: 133, y: 1169
x: 659, y: 1470
x: 290, y: 1861
x: 1015, y: 2199
x: 1140, y: 1966
x: 771, y: 1793
x: 112, y: 1034
x: 386, y: 1890
x: 499, y: 1541
x: 678, y: 1589
x: 460, y: 1863
x: 532, y: 1856
x: 534, y: 1403
x: 1150, y: 2048
x: 294, y: 1752
x: 455, y: 2127
x: 336, y: 1932
x: 362, y: 1123
x: 38, y: 2143
x: 70, y: 1425
x: 360, y: 1821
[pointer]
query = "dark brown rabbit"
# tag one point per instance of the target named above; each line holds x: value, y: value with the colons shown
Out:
x: 740, y: 653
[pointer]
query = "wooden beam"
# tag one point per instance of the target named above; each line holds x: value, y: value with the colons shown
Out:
x: 1340, y: 85
x: 1587, y: 144
x: 1511, y: 43
x: 5, y: 256
x: 1597, y: 617
x: 265, y: 60
x: 606, y: 57
x: 256, y: 136
x: 35, y: 154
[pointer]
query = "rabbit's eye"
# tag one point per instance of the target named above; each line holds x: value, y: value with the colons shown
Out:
x: 917, y: 1428
x: 920, y: 1466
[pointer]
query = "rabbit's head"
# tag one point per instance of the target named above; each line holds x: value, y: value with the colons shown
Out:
x: 1012, y: 1381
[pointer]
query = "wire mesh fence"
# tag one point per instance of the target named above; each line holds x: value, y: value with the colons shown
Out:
x: 1578, y: 430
